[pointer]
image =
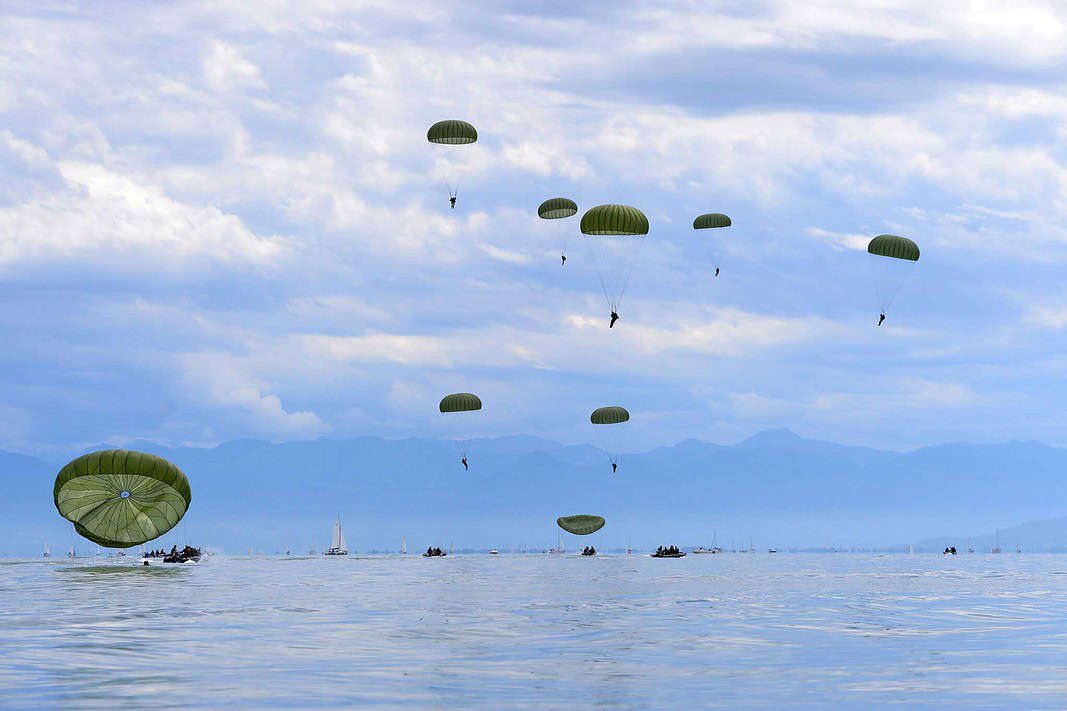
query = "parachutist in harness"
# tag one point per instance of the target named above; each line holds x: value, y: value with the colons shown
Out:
x: 881, y: 317
x: 614, y: 466
x: 716, y: 271
x: 452, y: 201
x: 614, y: 318
x: 563, y: 258
x: 465, y: 465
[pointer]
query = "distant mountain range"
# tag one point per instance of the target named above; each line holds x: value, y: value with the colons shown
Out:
x: 775, y: 489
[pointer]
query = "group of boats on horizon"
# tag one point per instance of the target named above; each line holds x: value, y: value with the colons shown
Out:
x: 339, y: 547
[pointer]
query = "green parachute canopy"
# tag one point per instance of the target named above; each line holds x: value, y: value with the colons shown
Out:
x: 452, y: 132
x: 895, y: 247
x: 612, y: 220
x: 581, y: 525
x: 710, y: 220
x: 609, y: 415
x: 557, y: 208
x: 460, y: 402
x: 119, y: 498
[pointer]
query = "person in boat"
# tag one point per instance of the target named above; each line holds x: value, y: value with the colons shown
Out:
x: 466, y: 466
x: 716, y: 271
x: 614, y: 318
x: 563, y: 260
x: 881, y: 317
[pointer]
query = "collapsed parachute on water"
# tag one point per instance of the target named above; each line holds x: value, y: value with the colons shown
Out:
x: 581, y: 525
x: 892, y: 261
x: 452, y: 132
x: 462, y: 406
x: 611, y: 227
x: 119, y: 498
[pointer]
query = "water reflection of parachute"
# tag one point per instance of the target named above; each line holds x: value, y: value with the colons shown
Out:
x: 452, y: 132
x: 119, y: 498
x: 892, y: 259
x: 558, y: 208
x: 611, y: 415
x: 462, y: 405
x: 581, y: 525
x: 612, y: 226
x: 712, y: 220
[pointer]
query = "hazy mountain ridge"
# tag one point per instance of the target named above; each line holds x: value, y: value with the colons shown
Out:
x: 776, y: 487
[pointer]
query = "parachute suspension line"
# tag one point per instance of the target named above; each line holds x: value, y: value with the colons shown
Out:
x: 879, y: 301
x: 900, y: 285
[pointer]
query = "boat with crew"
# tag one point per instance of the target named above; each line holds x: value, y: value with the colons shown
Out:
x: 668, y: 552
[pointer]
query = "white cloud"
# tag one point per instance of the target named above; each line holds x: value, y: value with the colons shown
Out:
x: 225, y: 69
x: 220, y: 378
x: 103, y: 214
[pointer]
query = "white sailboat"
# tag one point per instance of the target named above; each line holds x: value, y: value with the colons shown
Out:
x: 337, y: 544
x: 72, y: 553
x: 47, y: 554
x: 403, y: 546
x: 559, y: 549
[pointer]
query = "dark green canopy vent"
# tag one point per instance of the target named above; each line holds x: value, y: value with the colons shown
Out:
x: 711, y: 220
x: 608, y: 220
x: 460, y: 402
x: 557, y: 208
x: 612, y: 415
x: 452, y: 132
x: 581, y: 525
x: 118, y: 498
x: 895, y: 247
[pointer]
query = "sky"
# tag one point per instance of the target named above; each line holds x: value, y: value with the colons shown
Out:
x: 223, y: 221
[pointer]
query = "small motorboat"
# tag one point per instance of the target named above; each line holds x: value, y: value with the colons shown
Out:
x: 494, y: 551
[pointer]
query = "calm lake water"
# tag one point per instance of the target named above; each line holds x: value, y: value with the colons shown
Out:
x: 537, y: 631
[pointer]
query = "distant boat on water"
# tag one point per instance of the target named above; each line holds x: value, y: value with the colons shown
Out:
x: 46, y: 553
x: 337, y: 544
x: 72, y: 553
x: 714, y: 546
x: 403, y: 546
x: 996, y: 548
x: 494, y: 551
x: 559, y: 549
